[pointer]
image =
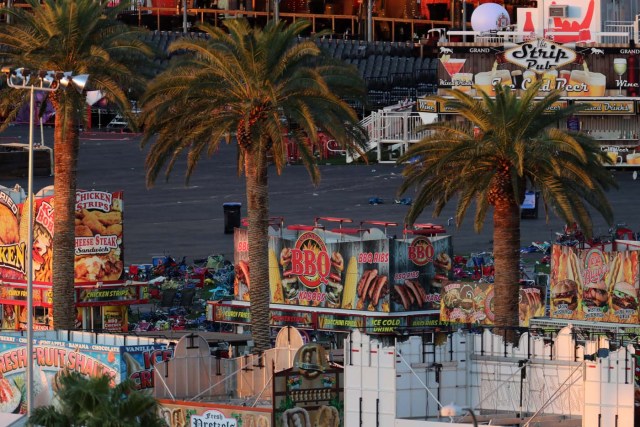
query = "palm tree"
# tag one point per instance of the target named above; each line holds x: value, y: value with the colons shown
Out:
x: 518, y: 148
x: 256, y: 84
x: 94, y: 402
x: 83, y: 37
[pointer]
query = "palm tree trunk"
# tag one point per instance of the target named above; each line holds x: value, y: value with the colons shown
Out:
x: 258, y: 234
x: 66, y: 146
x: 506, y: 251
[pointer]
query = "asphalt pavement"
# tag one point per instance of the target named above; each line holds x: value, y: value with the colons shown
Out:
x: 177, y: 219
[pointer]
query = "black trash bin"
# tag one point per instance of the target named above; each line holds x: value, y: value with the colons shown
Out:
x: 231, y: 216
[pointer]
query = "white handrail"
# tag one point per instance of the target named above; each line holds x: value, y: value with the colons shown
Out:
x: 463, y: 33
x: 501, y: 36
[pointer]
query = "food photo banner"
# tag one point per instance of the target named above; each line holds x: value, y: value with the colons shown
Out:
x: 575, y: 71
x: 593, y: 285
x: 470, y: 302
x: 98, y: 238
x: 320, y: 269
x: 51, y: 359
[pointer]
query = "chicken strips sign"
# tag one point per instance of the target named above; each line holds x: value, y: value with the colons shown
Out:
x: 98, y: 242
x: 98, y: 236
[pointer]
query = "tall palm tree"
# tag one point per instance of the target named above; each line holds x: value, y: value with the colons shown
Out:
x: 83, y: 37
x: 518, y: 147
x: 256, y: 84
x: 93, y: 402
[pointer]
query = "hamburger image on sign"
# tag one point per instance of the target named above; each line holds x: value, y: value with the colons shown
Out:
x: 595, y: 300
x: 624, y: 300
x: 564, y: 298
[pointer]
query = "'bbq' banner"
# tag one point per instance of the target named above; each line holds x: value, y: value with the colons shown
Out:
x: 371, y: 272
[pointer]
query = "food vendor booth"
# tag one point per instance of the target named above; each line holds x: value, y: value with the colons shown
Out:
x: 595, y: 284
x: 344, y: 278
x: 102, y: 294
x: 89, y: 354
x: 590, y: 67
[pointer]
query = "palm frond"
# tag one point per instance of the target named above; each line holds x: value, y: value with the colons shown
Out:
x: 518, y: 138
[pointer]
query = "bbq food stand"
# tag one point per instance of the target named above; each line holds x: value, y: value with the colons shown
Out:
x: 333, y: 277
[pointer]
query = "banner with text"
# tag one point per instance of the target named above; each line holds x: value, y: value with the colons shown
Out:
x: 377, y: 274
x: 593, y: 285
x: 98, y: 242
x: 576, y: 71
x: 473, y: 303
x: 178, y: 413
x: 50, y: 359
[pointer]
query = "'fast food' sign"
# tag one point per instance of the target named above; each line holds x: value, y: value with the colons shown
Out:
x: 540, y: 55
x: 45, y: 216
x: 55, y: 357
x: 138, y: 363
x: 213, y: 418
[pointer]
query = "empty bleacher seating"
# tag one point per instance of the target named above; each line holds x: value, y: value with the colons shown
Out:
x: 393, y: 71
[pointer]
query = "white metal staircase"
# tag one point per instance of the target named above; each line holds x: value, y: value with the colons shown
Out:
x: 392, y: 132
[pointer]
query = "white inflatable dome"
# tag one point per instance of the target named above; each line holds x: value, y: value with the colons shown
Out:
x: 488, y: 17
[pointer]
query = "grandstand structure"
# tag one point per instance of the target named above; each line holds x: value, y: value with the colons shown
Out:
x: 394, y: 71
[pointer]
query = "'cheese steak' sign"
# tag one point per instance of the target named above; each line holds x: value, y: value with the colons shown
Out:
x: 540, y: 55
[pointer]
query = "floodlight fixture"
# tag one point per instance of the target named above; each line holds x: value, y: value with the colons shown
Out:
x: 78, y: 82
x: 43, y: 81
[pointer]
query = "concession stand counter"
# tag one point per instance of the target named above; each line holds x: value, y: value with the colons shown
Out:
x: 359, y: 278
x: 101, y: 293
x: 344, y: 278
x: 89, y: 354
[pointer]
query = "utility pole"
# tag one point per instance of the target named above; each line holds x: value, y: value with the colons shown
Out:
x: 370, y: 20
x: 184, y: 16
